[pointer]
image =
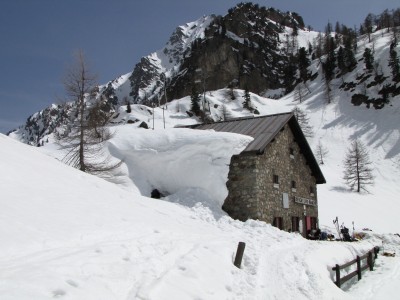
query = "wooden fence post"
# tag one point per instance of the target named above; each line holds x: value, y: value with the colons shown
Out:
x: 359, y: 267
x: 370, y: 256
x: 239, y: 254
x: 370, y: 261
x: 376, y: 250
x: 337, y: 268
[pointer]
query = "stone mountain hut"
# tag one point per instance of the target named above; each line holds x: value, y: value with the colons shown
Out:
x: 275, y: 178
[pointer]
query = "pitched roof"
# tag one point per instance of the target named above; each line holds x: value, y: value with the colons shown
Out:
x: 264, y: 129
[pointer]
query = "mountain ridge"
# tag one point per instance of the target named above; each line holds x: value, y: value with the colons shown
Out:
x: 216, y: 52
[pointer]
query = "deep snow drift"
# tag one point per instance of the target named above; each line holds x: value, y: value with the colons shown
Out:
x: 173, y: 160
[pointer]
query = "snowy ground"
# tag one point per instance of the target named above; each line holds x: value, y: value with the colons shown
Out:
x: 68, y: 235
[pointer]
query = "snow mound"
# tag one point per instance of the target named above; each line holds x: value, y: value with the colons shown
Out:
x: 176, y: 159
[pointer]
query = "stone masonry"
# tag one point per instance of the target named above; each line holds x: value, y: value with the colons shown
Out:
x: 252, y: 192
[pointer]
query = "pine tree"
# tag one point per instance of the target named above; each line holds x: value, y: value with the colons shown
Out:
x: 394, y: 62
x: 289, y: 74
x: 338, y: 28
x: 303, y: 63
x: 247, y: 100
x: 128, y: 105
x: 348, y: 52
x: 330, y: 62
x: 340, y: 60
x: 195, y: 102
x: 368, y: 24
x: 357, y: 167
x: 329, y: 42
x: 368, y: 59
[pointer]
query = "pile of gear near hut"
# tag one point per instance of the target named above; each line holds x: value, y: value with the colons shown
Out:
x: 343, y: 234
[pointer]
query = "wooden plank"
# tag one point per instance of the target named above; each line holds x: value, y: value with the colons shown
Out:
x: 348, y: 276
x: 370, y: 256
x: 364, y: 268
x: 337, y: 275
x: 370, y: 261
x: 348, y: 264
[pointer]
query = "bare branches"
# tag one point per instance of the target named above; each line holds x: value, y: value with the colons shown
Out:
x: 358, y: 171
x: 303, y: 121
x: 78, y: 80
x: 84, y: 138
x: 321, y: 152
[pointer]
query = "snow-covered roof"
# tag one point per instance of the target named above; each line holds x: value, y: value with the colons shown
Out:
x: 264, y: 130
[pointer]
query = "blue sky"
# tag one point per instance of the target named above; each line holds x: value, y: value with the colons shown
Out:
x: 39, y: 37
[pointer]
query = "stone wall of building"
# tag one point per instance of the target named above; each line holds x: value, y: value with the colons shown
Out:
x: 252, y: 192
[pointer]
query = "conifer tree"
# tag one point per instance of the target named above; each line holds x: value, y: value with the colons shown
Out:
x: 328, y: 68
x: 247, y: 100
x: 357, y: 167
x: 330, y: 61
x: 289, y: 74
x: 195, y: 102
x: 338, y: 28
x: 128, y: 105
x: 348, y: 52
x: 394, y: 62
x: 299, y: 93
x: 303, y: 63
x: 368, y: 24
x: 368, y: 59
x: 340, y: 60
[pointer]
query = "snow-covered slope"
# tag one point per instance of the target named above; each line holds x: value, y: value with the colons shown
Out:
x: 335, y: 126
x: 339, y: 123
x: 65, y: 234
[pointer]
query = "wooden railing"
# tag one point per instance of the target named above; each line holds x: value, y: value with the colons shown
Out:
x: 370, y: 257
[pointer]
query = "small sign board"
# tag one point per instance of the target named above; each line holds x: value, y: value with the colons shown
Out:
x: 285, y: 200
x: 305, y: 201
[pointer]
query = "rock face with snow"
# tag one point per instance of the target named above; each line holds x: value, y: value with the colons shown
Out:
x: 243, y: 49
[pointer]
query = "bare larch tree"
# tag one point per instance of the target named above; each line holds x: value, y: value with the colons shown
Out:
x: 357, y: 167
x: 83, y: 139
x: 303, y: 119
x: 321, y: 152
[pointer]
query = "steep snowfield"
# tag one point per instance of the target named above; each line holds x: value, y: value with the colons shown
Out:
x: 339, y: 123
x: 335, y: 125
x: 69, y: 235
